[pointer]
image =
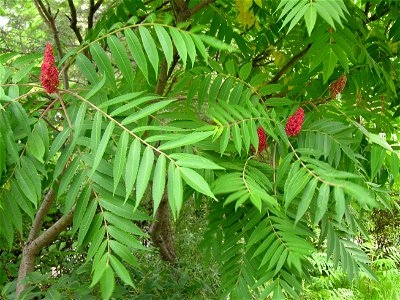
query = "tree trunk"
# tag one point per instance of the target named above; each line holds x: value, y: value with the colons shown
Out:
x: 34, y: 247
x: 161, y: 231
x: 26, y: 266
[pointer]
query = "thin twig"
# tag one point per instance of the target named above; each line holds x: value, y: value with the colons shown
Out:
x: 48, y: 108
x: 51, y: 125
x: 65, y: 110
x: 289, y: 64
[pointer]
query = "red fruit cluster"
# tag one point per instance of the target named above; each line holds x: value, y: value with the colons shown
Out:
x: 295, y: 122
x: 337, y: 87
x: 262, y: 139
x: 49, y: 72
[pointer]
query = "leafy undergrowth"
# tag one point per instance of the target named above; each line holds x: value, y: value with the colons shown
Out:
x: 189, y: 277
x: 335, y: 286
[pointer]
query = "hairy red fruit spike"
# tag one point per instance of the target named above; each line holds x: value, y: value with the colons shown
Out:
x: 262, y: 139
x: 337, y: 87
x: 295, y: 122
x: 49, y: 72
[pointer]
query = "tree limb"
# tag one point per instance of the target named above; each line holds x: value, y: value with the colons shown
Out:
x: 44, y: 13
x: 183, y: 12
x: 52, y: 233
x: 42, y: 213
x: 162, y: 79
x: 142, y: 18
x: 160, y: 229
x: 32, y: 249
x: 74, y: 21
x: 92, y: 10
x: 200, y: 6
x: 367, y: 7
x: 289, y: 64
x: 181, y: 3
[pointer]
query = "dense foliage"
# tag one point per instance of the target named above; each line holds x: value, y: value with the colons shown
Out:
x: 275, y: 118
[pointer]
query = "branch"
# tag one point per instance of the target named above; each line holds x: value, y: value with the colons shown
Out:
x: 51, y: 125
x: 289, y: 64
x: 367, y: 7
x: 181, y: 10
x: 162, y: 79
x: 42, y: 213
x: 42, y: 11
x: 32, y: 249
x: 92, y: 10
x: 200, y: 6
x: 160, y: 229
x: 51, y: 234
x: 97, y: 5
x: 181, y: 3
x: 74, y: 21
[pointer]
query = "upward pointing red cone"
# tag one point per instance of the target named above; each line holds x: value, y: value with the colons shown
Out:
x: 49, y: 72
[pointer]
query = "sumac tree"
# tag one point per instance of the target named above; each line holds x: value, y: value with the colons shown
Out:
x: 164, y: 101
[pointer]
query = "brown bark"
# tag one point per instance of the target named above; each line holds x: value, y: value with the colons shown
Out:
x: 34, y: 247
x: 42, y: 213
x: 161, y: 231
x: 200, y: 6
x: 74, y: 21
x: 92, y: 10
x: 162, y: 79
x: 37, y: 241
x: 26, y: 266
x: 28, y: 256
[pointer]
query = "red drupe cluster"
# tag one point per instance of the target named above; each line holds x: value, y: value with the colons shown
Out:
x: 262, y: 139
x: 295, y: 122
x: 49, y: 71
x: 337, y: 87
